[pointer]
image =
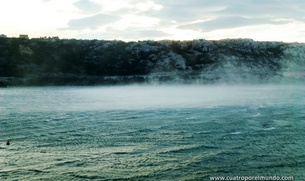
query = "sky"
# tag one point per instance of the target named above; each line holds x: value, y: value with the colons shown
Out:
x: 133, y: 20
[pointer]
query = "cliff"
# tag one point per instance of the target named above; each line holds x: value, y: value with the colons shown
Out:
x: 98, y: 62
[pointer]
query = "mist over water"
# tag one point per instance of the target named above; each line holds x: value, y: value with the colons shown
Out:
x: 152, y: 132
x: 136, y: 97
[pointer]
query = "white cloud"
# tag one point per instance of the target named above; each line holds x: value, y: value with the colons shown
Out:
x: 281, y: 20
x: 292, y: 33
x: 134, y: 21
x: 91, y: 22
x: 87, y: 6
x: 230, y: 22
x: 146, y: 6
x: 114, y: 5
x: 35, y: 16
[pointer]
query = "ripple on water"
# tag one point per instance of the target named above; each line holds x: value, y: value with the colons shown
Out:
x: 170, y: 143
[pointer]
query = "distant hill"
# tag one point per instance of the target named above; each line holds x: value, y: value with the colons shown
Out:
x: 98, y: 62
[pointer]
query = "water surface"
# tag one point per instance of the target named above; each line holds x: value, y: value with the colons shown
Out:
x: 151, y: 132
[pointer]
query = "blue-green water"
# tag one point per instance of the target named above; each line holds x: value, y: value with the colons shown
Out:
x: 152, y: 132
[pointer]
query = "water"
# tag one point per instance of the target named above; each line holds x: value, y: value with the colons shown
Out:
x: 152, y: 132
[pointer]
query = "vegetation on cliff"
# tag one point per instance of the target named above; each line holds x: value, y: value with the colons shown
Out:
x: 46, y: 61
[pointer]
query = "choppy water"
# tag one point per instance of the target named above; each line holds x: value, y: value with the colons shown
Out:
x: 152, y: 132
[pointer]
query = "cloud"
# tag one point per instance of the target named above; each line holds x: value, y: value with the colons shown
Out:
x: 293, y: 9
x: 126, y: 15
x: 228, y: 22
x: 147, y: 6
x: 203, y: 17
x: 91, y: 22
x: 87, y: 6
x: 130, y: 34
x: 179, y: 19
x: 136, y: 21
x: 191, y: 10
x: 186, y: 11
x: 143, y: 33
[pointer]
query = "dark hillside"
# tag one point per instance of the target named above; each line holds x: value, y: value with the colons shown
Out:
x: 95, y: 62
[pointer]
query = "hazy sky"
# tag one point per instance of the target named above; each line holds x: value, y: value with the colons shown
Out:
x: 279, y: 20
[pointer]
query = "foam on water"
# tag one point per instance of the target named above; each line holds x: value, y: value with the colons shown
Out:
x: 268, y: 129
